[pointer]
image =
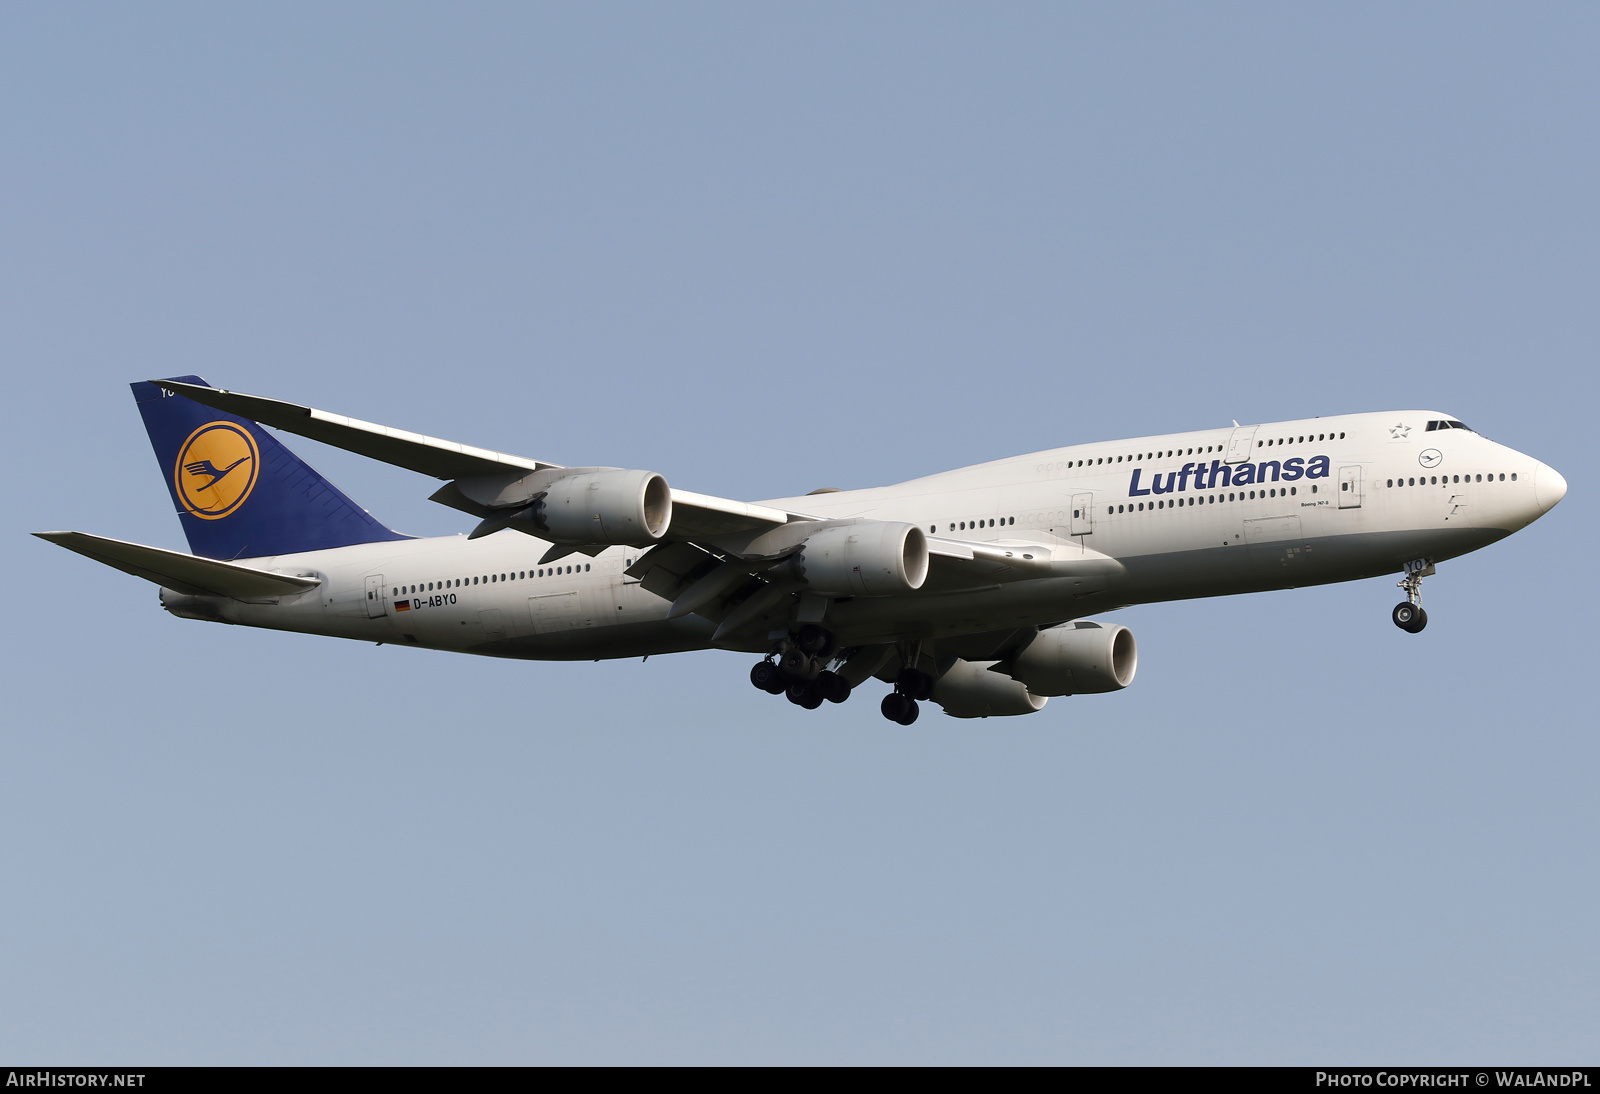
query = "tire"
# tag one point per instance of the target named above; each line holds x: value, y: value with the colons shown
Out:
x: 910, y: 713
x: 765, y: 675
x: 832, y: 686
x: 1405, y: 616
x: 914, y: 684
x: 802, y: 694
x: 1421, y: 621
x: 894, y: 705
x: 797, y: 665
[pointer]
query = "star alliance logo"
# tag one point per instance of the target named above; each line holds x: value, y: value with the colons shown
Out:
x: 1400, y: 432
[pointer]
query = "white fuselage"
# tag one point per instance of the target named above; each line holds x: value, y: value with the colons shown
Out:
x: 1339, y: 498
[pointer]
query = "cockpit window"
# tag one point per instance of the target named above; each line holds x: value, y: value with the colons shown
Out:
x: 1450, y: 423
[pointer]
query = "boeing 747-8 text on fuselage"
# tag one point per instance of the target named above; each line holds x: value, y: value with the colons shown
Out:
x: 971, y: 587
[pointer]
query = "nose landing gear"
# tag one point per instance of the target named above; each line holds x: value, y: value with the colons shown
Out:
x: 1409, y: 616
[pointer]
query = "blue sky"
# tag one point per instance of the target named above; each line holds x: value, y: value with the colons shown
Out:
x: 761, y: 250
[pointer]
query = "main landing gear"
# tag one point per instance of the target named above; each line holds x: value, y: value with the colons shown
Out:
x: 900, y: 705
x: 797, y: 668
x: 800, y: 671
x: 1409, y: 616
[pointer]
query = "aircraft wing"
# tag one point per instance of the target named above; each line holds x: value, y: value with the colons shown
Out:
x: 695, y: 516
x: 189, y: 574
x: 413, y: 451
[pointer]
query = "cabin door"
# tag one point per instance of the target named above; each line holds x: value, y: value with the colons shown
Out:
x: 1350, y: 488
x: 1082, y: 514
x: 1241, y: 444
x: 377, y: 604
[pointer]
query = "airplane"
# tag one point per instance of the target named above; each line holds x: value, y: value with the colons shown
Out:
x: 972, y: 588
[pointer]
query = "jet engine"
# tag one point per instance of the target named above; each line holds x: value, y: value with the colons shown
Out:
x: 970, y: 690
x: 1077, y: 659
x: 626, y: 508
x: 872, y: 558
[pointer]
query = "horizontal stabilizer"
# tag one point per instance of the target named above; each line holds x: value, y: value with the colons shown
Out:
x: 183, y: 573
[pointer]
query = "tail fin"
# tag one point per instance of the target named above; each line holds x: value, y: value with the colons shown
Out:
x: 239, y: 492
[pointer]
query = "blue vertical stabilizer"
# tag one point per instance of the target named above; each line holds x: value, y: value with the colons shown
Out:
x: 238, y: 491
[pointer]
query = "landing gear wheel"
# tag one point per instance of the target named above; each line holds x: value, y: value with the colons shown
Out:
x: 914, y: 684
x: 897, y: 708
x: 817, y: 641
x: 766, y: 676
x: 831, y: 686
x: 797, y: 665
x: 804, y: 695
x: 1409, y: 617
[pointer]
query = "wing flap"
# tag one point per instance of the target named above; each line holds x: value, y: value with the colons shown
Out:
x: 184, y: 573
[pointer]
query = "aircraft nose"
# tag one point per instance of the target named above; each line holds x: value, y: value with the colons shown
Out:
x: 1548, y: 487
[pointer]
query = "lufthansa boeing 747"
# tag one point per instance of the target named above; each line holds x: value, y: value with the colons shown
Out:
x: 971, y: 588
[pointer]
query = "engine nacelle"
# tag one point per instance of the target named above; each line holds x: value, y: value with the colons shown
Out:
x: 872, y: 558
x: 970, y: 690
x: 626, y: 508
x: 1078, y: 659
